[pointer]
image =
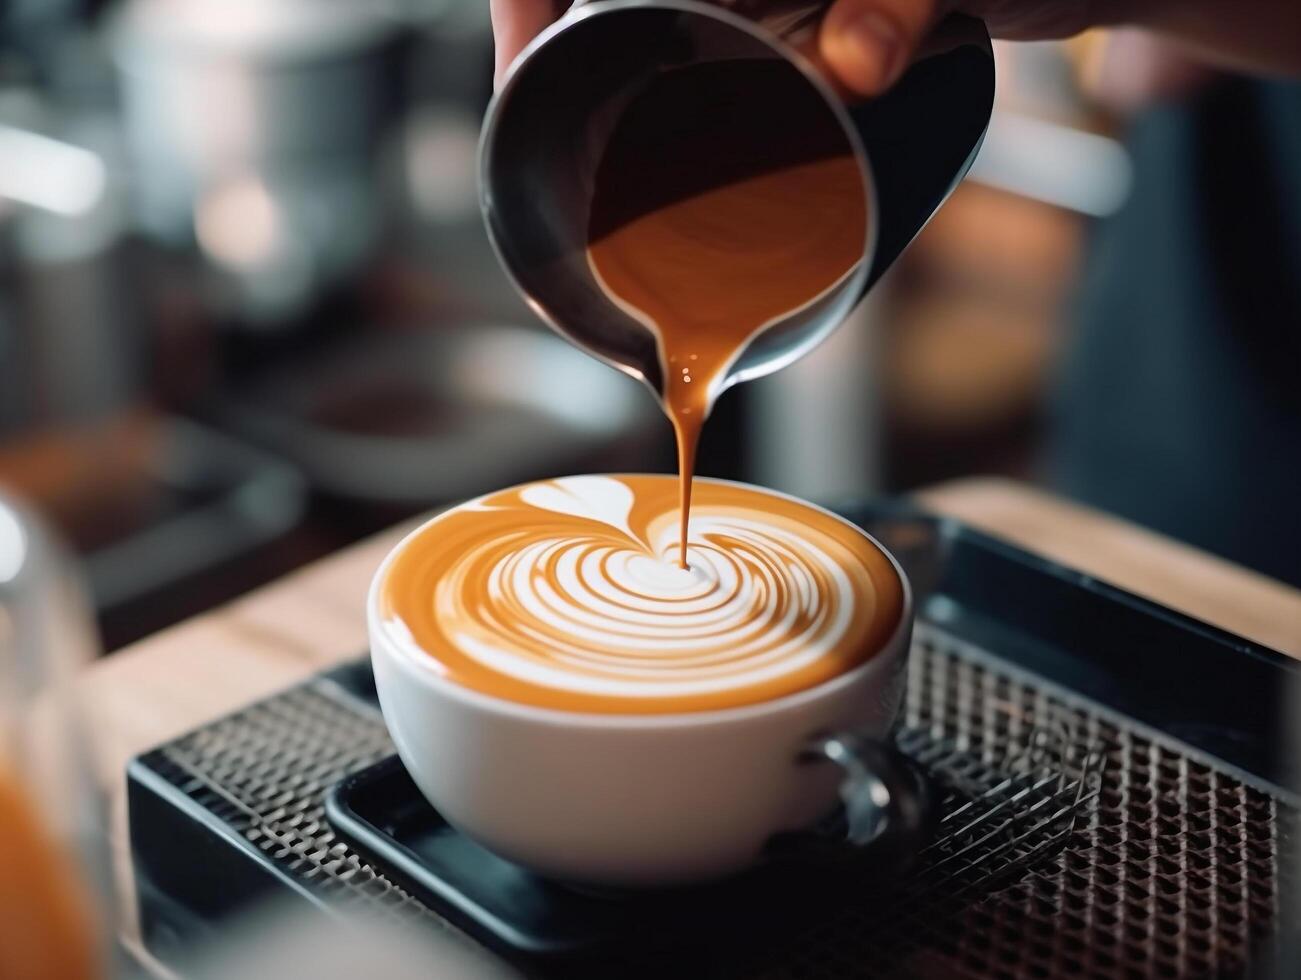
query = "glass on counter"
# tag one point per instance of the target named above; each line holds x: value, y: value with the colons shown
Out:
x: 53, y: 845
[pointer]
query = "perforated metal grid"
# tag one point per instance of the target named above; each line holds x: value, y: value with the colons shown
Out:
x: 1072, y: 844
x: 1172, y: 869
x: 264, y: 771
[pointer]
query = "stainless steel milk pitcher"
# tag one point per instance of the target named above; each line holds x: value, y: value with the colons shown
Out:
x: 547, y: 128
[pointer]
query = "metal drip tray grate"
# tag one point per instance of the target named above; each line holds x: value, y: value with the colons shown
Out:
x: 1164, y: 867
x: 1073, y: 843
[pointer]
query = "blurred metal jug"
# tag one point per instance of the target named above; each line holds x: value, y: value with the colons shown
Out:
x: 548, y: 125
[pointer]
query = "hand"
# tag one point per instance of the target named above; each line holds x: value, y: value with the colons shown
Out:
x: 516, y: 22
x: 864, y: 44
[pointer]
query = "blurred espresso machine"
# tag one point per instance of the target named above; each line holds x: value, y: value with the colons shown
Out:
x: 247, y: 308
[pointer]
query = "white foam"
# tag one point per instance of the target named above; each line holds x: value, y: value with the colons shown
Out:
x: 598, y: 498
x: 610, y: 613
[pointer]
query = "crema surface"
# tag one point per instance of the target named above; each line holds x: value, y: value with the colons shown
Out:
x: 568, y: 594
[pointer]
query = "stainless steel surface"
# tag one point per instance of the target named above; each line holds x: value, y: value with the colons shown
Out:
x: 71, y: 352
x: 1072, y: 844
x: 254, y: 131
x: 547, y: 126
x: 214, y: 500
x: 814, y: 429
x: 446, y: 412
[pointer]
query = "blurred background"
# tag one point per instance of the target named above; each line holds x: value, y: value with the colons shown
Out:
x: 248, y: 312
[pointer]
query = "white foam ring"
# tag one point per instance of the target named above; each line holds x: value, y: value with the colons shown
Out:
x: 609, y: 614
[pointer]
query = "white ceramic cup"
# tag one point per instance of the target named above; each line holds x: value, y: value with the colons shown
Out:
x: 639, y: 800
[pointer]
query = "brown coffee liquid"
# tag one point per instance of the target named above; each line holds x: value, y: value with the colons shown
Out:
x: 727, y: 198
x: 45, y: 922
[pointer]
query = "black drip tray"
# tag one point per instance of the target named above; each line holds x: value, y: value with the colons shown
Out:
x: 544, y: 924
x: 1140, y: 828
x: 1007, y: 816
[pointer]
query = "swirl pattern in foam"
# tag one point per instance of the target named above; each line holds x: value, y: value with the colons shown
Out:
x: 567, y: 594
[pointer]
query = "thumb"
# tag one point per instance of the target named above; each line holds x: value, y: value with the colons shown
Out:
x: 867, y: 44
x: 514, y: 24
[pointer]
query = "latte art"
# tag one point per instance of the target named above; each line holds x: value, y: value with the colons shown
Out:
x: 709, y: 232
x: 568, y: 594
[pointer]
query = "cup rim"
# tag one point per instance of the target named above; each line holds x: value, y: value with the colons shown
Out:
x: 422, y: 664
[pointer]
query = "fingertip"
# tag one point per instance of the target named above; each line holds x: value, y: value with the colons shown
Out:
x: 864, y: 46
x: 514, y: 24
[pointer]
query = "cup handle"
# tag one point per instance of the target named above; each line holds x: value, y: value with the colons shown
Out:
x: 889, y: 809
